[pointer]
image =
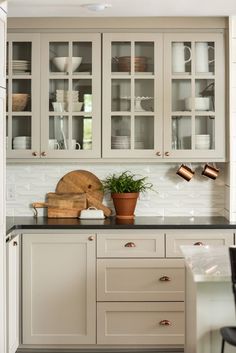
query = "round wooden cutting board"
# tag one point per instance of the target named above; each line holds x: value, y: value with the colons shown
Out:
x: 80, y: 181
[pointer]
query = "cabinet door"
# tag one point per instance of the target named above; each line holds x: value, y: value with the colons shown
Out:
x: 23, y: 109
x: 13, y: 294
x: 71, y: 95
x: 3, y: 26
x: 194, y: 112
x: 132, y: 95
x: 174, y: 239
x: 2, y: 154
x: 59, y: 302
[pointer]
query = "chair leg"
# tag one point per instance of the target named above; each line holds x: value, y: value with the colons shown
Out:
x: 222, y: 346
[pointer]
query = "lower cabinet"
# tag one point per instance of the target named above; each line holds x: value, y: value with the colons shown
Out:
x: 12, y: 294
x: 58, y: 289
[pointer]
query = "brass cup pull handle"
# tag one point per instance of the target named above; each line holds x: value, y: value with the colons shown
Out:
x: 43, y: 154
x: 165, y: 323
x: 15, y: 243
x: 130, y: 245
x: 34, y: 154
x: 164, y: 279
x: 198, y: 243
x: 91, y: 238
x: 158, y: 153
x: 167, y: 154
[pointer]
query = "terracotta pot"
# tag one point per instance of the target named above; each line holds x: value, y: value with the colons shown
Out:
x: 125, y: 204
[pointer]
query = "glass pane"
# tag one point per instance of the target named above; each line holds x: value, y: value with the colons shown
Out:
x: 21, y: 58
x: 144, y: 132
x: 144, y: 96
x: 181, y: 90
x: 81, y: 133
x: 144, y: 57
x: 21, y: 95
x: 21, y: 132
x: 205, y: 95
x: 82, y: 95
x: 120, y: 57
x: 181, y: 57
x: 58, y: 95
x: 205, y: 132
x: 120, y: 95
x: 120, y: 132
x: 58, y: 132
x: 82, y: 57
x: 205, y: 58
x: 7, y: 59
x: 59, y: 57
x: 181, y: 132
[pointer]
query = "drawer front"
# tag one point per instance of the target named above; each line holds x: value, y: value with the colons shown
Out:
x: 140, y: 323
x: 131, y: 245
x: 140, y: 280
x: 174, y: 239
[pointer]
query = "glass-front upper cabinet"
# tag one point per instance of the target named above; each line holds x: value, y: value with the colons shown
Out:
x: 132, y: 95
x: 194, y: 96
x: 70, y: 95
x: 23, y: 92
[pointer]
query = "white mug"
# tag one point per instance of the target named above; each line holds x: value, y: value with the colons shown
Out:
x: 178, y: 56
x: 53, y: 144
x: 73, y: 144
x: 202, y: 57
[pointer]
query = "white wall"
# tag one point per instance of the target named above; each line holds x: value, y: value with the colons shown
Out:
x: 176, y: 197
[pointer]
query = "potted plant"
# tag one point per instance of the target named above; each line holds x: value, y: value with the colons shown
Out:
x: 125, y: 189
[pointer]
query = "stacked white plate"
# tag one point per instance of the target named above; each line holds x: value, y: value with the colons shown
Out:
x: 21, y: 143
x: 202, y: 142
x: 20, y: 66
x: 64, y: 96
x: 120, y: 142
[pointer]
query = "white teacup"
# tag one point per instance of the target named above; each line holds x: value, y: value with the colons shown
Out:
x: 74, y: 144
x: 53, y: 144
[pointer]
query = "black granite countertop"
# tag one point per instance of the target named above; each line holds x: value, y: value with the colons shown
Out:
x: 14, y: 223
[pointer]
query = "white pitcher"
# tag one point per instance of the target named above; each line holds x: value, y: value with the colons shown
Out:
x: 202, y: 57
x: 178, y: 56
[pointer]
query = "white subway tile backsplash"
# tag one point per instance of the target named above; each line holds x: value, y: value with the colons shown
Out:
x: 173, y: 197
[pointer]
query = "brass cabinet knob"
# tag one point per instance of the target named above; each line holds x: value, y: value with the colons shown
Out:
x: 164, y: 323
x: 43, y: 154
x: 130, y: 245
x: 167, y: 154
x: 15, y: 243
x: 91, y: 238
x: 34, y: 154
x: 158, y: 153
x: 199, y: 243
x: 164, y: 279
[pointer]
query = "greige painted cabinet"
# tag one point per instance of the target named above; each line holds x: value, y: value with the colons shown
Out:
x: 59, y: 296
x: 3, y: 30
x: 13, y: 294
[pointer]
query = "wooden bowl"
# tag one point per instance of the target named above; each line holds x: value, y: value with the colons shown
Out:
x: 19, y: 101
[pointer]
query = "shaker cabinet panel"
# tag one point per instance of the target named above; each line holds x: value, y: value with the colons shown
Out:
x: 194, y: 112
x: 3, y: 29
x: 59, y: 293
x: 174, y: 239
x: 71, y: 95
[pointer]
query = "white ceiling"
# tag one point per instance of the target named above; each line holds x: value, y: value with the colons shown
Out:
x: 120, y: 8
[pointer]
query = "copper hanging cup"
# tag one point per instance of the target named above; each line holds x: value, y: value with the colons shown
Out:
x: 185, y: 172
x: 210, y: 171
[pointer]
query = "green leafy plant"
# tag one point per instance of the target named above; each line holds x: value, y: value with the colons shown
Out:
x: 125, y: 182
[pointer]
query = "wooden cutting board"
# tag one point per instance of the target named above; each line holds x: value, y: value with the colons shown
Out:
x: 66, y: 205
x: 82, y: 181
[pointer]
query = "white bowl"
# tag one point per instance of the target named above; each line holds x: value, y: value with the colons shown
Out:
x: 197, y: 103
x: 77, y: 106
x: 62, y: 63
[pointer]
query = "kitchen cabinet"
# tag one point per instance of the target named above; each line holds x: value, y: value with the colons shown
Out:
x: 23, y: 92
x: 3, y: 31
x: 13, y: 293
x: 58, y: 289
x: 172, y: 109
x: 2, y: 154
x: 176, y: 238
x: 71, y: 95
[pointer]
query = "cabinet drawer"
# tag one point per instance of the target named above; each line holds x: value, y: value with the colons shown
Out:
x: 140, y: 280
x: 140, y: 323
x: 196, y: 237
x: 131, y: 245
